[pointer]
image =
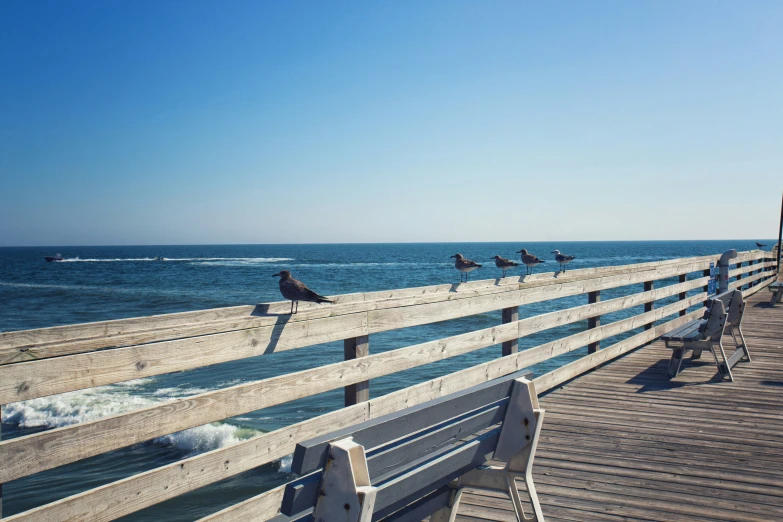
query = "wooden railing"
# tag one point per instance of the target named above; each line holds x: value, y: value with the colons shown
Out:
x: 38, y: 363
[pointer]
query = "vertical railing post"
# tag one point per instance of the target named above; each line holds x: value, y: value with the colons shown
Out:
x: 510, y: 315
x: 739, y: 276
x: 354, y: 348
x: 1, y: 439
x: 683, y: 295
x: 706, y: 288
x: 648, y: 307
x: 593, y: 322
x: 757, y: 281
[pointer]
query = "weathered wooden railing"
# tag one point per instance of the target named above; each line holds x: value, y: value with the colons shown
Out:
x: 49, y: 361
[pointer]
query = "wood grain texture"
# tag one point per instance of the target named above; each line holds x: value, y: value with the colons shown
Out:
x: 32, y: 379
x: 37, y: 452
x: 166, y: 482
x: 622, y: 442
x: 58, y: 341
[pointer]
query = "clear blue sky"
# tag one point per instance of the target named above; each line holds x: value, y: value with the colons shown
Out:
x: 159, y: 122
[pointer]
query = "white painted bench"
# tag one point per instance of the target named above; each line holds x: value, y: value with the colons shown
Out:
x: 777, y: 293
x: 414, y: 464
x: 723, y: 315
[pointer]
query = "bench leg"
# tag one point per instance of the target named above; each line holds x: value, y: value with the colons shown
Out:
x: 740, y: 343
x: 449, y: 514
x: 723, y: 369
x: 675, y: 362
x: 696, y: 354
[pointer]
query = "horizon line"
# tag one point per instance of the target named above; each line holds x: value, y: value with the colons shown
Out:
x: 383, y: 243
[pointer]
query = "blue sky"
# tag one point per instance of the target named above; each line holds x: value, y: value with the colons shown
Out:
x: 187, y: 122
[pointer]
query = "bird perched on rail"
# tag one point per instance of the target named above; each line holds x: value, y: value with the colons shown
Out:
x: 759, y: 245
x: 530, y: 260
x: 465, y: 266
x: 295, y: 291
x: 504, y: 264
x: 562, y: 259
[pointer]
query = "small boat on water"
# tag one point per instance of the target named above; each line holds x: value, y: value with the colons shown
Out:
x: 56, y: 257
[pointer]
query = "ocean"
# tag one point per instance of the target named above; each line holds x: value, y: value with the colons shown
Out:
x: 101, y: 283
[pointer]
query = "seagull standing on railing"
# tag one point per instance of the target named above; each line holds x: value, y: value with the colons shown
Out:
x: 530, y: 260
x: 295, y: 291
x: 504, y: 264
x: 465, y: 266
x: 562, y: 259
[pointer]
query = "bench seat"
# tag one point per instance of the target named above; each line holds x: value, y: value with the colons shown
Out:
x: 687, y: 332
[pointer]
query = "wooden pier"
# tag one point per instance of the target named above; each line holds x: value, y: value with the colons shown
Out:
x: 620, y: 441
x: 623, y: 443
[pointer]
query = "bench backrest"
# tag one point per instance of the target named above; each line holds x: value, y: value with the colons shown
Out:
x: 725, y: 308
x: 412, y: 453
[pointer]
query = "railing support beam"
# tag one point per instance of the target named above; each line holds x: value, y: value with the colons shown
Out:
x: 1, y: 438
x: 683, y: 278
x: 357, y: 347
x: 593, y: 322
x: 648, y: 307
x: 510, y: 315
x: 757, y: 281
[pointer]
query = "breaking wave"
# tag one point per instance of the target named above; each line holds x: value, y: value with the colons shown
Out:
x: 249, y: 260
x: 96, y: 403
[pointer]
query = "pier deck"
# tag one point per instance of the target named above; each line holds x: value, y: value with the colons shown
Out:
x: 620, y: 441
x: 624, y: 443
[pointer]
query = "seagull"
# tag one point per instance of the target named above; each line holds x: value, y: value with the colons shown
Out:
x: 530, y: 260
x: 760, y: 245
x: 562, y: 260
x: 465, y: 266
x: 295, y: 291
x: 504, y: 264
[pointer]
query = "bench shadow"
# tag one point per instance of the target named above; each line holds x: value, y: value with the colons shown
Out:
x: 654, y: 378
x: 763, y: 304
x: 772, y: 383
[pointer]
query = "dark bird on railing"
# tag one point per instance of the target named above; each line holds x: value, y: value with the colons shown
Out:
x: 504, y: 264
x: 465, y: 266
x: 295, y: 291
x: 759, y: 245
x: 562, y: 259
x: 530, y: 260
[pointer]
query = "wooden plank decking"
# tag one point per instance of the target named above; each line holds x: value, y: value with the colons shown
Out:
x: 624, y: 443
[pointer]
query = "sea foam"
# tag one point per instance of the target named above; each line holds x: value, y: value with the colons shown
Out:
x: 88, y: 405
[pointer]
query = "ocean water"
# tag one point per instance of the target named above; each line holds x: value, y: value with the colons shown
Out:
x: 100, y: 283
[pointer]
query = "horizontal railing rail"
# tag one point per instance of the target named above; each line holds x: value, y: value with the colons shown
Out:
x: 38, y: 363
x: 65, y: 340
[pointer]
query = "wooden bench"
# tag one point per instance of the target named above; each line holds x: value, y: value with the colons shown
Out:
x: 723, y: 315
x: 777, y: 293
x: 414, y: 463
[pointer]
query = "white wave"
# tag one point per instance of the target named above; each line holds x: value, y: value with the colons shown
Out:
x: 205, y: 438
x: 238, y: 262
x: 285, y: 464
x: 175, y: 259
x: 88, y: 405
x: 114, y: 260
x: 238, y: 259
x: 364, y: 265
